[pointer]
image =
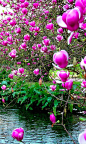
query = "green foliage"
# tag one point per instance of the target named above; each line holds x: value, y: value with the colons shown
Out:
x: 82, y: 119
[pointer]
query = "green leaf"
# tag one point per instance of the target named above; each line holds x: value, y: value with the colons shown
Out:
x: 82, y: 118
x: 54, y: 110
x: 45, y: 105
x: 74, y: 87
x: 4, y: 83
x: 49, y: 99
x: 15, y: 93
x: 56, y: 102
x: 71, y: 108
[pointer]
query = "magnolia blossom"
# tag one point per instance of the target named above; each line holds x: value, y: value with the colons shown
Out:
x: 70, y: 1
x: 54, y: 1
x: 52, y: 47
x: 18, y: 30
x: 60, y: 30
x: 82, y: 137
x: 53, y: 87
x: 10, y: 76
x: 3, y: 87
x: 61, y: 58
x: 32, y: 23
x: 18, y: 134
x: 54, y: 82
x: 83, y: 63
x: 59, y: 37
x: 83, y: 84
x: 50, y: 26
x: 44, y: 49
x: 36, y: 71
x: 23, y: 45
x: 26, y: 37
x: 70, y: 19
x: 21, y: 70
x: 3, y: 100
x: 46, y: 42
x: 68, y: 84
x: 13, y: 53
x: 52, y: 118
x: 24, y: 11
x: 14, y: 72
x: 63, y: 75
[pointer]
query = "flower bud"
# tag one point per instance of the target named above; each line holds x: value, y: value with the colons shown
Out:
x: 52, y: 118
x: 40, y: 81
x: 74, y: 61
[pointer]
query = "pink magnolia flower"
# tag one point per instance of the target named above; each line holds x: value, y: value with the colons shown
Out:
x: 35, y: 5
x: 83, y: 84
x: 53, y: 87
x: 22, y: 1
x: 14, y: 72
x: 5, y: 43
x: 63, y: 75
x: 82, y: 138
x: 39, y: 46
x: 81, y: 4
x: 24, y: 11
x: 83, y: 63
x: 54, y: 82
x: 52, y: 47
x: 32, y: 23
x: 70, y: 19
x: 18, y: 134
x: 36, y: 29
x: 28, y: 63
x: 50, y: 26
x: 60, y: 30
x: 9, y: 39
x: 13, y: 22
x: 66, y: 7
x: 36, y: 71
x: 70, y: 1
x: 68, y: 84
x: 44, y: 49
x: 18, y: 30
x: 10, y: 76
x: 61, y: 58
x: 3, y: 100
x: 59, y: 37
x: 54, y: 1
x: 23, y: 45
x: 46, y: 42
x: 44, y: 37
x: 27, y: 37
x: 26, y: 4
x: 18, y: 63
x: 3, y: 87
x: 21, y: 70
x: 13, y: 53
x: 52, y: 118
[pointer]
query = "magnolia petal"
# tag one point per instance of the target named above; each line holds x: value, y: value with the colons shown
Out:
x: 65, y: 53
x: 81, y: 138
x: 76, y: 8
x: 69, y: 31
x: 70, y: 38
x: 70, y: 65
x: 61, y: 22
x: 56, y: 66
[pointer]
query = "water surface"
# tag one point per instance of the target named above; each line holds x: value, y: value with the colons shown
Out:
x: 37, y: 127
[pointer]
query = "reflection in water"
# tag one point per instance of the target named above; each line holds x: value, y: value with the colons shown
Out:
x: 37, y: 127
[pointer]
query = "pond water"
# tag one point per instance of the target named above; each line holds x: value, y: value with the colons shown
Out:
x: 37, y: 127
